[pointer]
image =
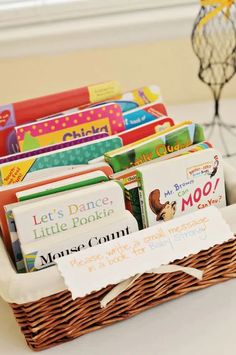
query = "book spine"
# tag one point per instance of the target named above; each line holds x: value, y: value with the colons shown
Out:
x: 19, y: 260
x: 142, y: 200
x: 133, y: 204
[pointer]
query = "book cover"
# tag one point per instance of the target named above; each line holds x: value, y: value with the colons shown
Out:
x: 22, y: 112
x: 106, y: 118
x: 51, y: 148
x: 144, y: 114
x: 68, y: 211
x: 182, y: 185
x: 172, y: 139
x: 145, y: 130
x: 73, y: 183
x: 8, y: 193
x: 14, y: 172
x: 42, y: 253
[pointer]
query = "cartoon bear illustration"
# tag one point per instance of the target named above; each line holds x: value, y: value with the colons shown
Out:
x: 163, y: 211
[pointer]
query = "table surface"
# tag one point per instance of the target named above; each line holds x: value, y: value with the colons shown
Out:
x: 201, y: 322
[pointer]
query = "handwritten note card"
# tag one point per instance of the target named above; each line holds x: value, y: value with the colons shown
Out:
x: 110, y: 263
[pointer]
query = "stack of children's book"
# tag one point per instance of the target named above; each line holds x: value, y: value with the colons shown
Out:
x: 90, y: 165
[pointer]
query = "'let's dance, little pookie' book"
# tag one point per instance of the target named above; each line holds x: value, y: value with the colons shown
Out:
x: 181, y: 185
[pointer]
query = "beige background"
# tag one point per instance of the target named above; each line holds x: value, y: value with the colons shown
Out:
x: 170, y: 64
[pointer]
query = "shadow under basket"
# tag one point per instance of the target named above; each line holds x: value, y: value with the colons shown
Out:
x: 56, y: 319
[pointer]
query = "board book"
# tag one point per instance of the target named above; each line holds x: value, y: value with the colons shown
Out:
x: 144, y: 114
x: 8, y: 193
x: 51, y: 148
x: 172, y: 139
x: 41, y: 254
x: 63, y: 185
x: 179, y: 186
x: 106, y: 118
x: 13, y: 172
x: 145, y: 130
x: 18, y: 113
x: 68, y: 211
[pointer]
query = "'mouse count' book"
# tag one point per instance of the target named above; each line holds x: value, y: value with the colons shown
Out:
x: 42, y: 253
x: 68, y: 210
x: 181, y: 185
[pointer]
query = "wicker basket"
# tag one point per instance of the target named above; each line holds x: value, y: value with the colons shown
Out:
x: 56, y: 318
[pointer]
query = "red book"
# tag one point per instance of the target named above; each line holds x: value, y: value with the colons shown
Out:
x: 19, y: 113
x: 145, y: 130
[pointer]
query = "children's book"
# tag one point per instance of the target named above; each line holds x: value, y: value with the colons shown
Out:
x: 38, y: 194
x: 8, y: 193
x: 42, y: 253
x: 182, y: 185
x: 68, y: 211
x: 51, y: 148
x: 106, y: 118
x: 27, y: 111
x: 145, y: 130
x: 128, y: 178
x: 63, y: 185
x: 14, y: 172
x: 144, y: 114
x: 172, y: 139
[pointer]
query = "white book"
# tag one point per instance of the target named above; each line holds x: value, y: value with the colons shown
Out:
x: 68, y: 210
x: 42, y: 253
x: 182, y: 185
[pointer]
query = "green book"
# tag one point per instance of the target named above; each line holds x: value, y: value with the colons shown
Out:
x: 133, y: 203
x: 158, y: 145
x: 75, y: 182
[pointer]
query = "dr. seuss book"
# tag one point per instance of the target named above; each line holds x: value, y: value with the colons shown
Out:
x: 106, y: 118
x: 144, y: 114
x: 63, y: 185
x: 181, y: 185
x: 128, y: 178
x: 26, y: 111
x: 172, y: 139
x: 13, y: 172
x: 51, y: 148
x: 67, y: 211
x: 145, y: 130
x: 8, y: 193
x: 42, y: 253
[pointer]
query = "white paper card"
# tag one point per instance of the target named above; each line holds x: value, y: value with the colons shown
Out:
x: 110, y: 263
